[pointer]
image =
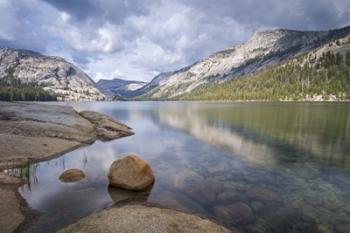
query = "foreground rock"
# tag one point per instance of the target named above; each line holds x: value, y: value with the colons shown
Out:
x: 142, y: 219
x: 72, y: 175
x: 10, y: 213
x: 131, y: 173
x: 31, y: 131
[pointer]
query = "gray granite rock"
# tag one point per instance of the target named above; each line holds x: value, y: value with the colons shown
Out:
x: 143, y: 219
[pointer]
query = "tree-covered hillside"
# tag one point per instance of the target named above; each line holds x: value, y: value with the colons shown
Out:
x: 308, y: 77
x: 12, y: 89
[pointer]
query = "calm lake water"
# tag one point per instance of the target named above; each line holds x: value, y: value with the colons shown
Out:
x: 257, y: 167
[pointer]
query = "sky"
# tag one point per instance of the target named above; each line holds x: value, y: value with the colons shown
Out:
x: 137, y: 39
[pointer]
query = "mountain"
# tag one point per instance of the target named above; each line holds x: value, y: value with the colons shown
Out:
x: 54, y: 74
x: 261, y: 50
x: 321, y: 74
x: 119, y: 87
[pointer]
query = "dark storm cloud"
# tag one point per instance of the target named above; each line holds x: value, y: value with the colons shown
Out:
x: 97, y: 10
x: 298, y: 14
x: 135, y: 39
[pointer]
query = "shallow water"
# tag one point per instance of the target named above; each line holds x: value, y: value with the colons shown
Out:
x: 258, y: 167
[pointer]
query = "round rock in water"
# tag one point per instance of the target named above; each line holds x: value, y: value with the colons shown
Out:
x: 142, y: 219
x: 131, y: 173
x: 72, y: 175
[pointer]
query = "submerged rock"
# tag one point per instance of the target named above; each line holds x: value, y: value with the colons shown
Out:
x: 257, y: 206
x: 262, y: 194
x: 186, y: 177
x: 196, y: 187
x: 72, y: 175
x: 343, y: 228
x: 205, y: 192
x: 286, y: 220
x: 238, y: 213
x: 177, y: 201
x: 131, y: 173
x: 228, y: 197
x: 143, y: 219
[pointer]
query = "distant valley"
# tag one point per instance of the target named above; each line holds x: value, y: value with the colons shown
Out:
x: 119, y: 88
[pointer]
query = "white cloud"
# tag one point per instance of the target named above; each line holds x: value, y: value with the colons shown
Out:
x: 64, y: 16
x: 104, y: 38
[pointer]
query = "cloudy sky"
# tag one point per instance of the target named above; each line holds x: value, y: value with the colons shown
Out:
x: 137, y: 39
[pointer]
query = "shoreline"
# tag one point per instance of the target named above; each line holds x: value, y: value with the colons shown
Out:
x: 42, y: 127
x: 65, y: 125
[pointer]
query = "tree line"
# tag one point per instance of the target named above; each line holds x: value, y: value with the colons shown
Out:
x: 296, y: 79
x: 12, y: 89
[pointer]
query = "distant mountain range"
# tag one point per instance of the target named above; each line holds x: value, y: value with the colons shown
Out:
x: 119, y: 87
x: 322, y: 74
x: 239, y: 67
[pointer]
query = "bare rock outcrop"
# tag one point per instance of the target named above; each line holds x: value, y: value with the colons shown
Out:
x: 54, y: 74
x: 31, y: 131
x: 143, y: 219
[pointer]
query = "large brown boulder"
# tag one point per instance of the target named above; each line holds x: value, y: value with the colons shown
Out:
x: 143, y: 219
x: 131, y: 173
x: 72, y: 175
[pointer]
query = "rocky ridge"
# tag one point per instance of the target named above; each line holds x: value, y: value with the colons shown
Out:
x: 262, y: 49
x: 54, y: 74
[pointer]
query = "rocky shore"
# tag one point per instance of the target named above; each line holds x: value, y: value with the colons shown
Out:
x: 32, y: 132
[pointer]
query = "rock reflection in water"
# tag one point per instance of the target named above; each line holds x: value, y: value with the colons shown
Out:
x: 123, y: 196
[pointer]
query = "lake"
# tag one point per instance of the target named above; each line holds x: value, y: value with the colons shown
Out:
x: 256, y: 167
